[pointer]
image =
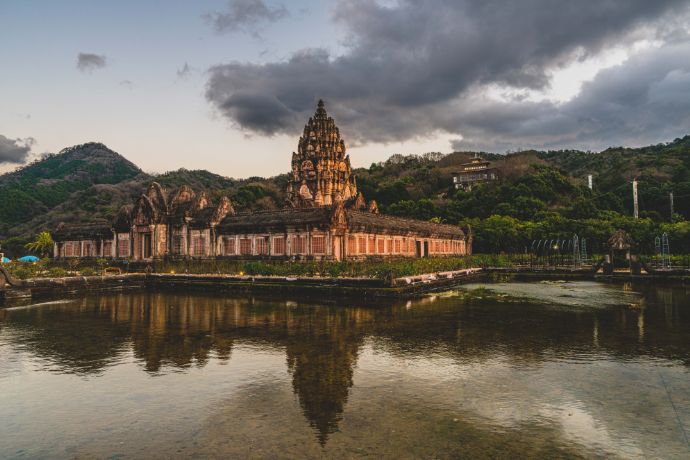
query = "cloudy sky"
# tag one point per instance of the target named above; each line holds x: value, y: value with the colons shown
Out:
x: 228, y: 85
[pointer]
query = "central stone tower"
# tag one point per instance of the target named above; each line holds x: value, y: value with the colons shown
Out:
x: 321, y: 173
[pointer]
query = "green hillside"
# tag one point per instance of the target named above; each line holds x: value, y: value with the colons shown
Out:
x: 40, y: 187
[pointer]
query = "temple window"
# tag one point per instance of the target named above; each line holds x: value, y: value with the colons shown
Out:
x: 397, y: 247
x: 262, y: 245
x: 300, y: 244
x: 177, y: 243
x: 198, y: 244
x: 381, y: 246
x: 107, y: 249
x: 123, y: 245
x: 245, y: 246
x: 362, y: 245
x: 351, y: 244
x: 372, y: 245
x: 318, y: 245
x: 229, y: 246
x: 278, y: 245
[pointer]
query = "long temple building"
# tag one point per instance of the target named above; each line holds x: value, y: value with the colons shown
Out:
x: 325, y: 217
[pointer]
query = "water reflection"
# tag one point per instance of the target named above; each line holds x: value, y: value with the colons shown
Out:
x: 442, y: 338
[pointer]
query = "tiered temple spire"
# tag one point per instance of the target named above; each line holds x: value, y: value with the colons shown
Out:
x: 321, y: 172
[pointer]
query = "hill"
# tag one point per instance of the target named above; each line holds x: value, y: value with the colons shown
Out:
x: 556, y: 179
x: 90, y: 182
x: 31, y: 194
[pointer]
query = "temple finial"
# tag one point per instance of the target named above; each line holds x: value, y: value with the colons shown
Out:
x: 320, y: 104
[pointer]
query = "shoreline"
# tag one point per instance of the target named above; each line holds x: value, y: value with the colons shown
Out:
x: 406, y: 287
x: 328, y: 287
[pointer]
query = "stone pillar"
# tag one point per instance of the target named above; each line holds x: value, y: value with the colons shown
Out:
x: 608, y: 264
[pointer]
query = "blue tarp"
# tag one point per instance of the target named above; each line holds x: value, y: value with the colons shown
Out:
x: 28, y: 259
x: 5, y: 260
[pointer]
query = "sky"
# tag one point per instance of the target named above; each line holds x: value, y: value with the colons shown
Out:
x: 228, y: 85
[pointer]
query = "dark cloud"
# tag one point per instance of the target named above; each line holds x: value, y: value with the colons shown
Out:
x: 421, y: 66
x: 87, y: 62
x: 245, y: 16
x: 15, y: 150
x: 645, y: 100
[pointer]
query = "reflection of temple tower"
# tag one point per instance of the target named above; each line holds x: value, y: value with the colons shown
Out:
x: 321, y: 173
x: 321, y: 359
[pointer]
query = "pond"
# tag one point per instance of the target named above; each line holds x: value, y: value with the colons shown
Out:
x: 506, y: 370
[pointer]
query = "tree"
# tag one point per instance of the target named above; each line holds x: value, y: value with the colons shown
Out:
x: 42, y: 245
x: 14, y: 247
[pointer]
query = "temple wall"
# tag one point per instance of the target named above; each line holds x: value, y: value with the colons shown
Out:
x: 83, y: 248
x: 291, y: 244
x: 295, y: 243
x: 363, y: 245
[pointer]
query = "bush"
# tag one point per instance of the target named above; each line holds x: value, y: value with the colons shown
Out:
x: 89, y: 271
x: 57, y: 272
x: 24, y: 272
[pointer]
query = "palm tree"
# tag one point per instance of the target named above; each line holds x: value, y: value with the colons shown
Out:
x: 43, y: 244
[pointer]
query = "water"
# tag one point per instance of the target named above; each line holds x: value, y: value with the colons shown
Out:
x: 541, y: 370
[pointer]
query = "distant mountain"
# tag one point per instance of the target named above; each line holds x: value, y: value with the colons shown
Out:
x: 90, y: 182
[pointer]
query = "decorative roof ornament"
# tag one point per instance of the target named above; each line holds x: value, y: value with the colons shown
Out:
x: 360, y: 203
x: 621, y: 240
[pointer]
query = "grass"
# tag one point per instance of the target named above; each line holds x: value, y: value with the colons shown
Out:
x: 377, y: 269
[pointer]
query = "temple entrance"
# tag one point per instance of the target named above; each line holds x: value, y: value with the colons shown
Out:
x: 146, y: 246
x: 418, y: 249
x: 338, y: 248
x: 426, y: 249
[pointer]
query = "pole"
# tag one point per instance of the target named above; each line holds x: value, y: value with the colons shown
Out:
x: 589, y: 181
x: 670, y: 195
x: 636, y: 213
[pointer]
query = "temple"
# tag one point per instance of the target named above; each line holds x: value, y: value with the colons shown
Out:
x: 325, y: 217
x: 475, y: 172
